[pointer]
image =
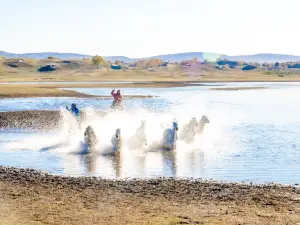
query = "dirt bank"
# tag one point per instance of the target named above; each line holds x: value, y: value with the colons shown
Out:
x: 31, y: 197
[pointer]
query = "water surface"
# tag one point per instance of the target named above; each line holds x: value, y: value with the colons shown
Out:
x: 253, y: 135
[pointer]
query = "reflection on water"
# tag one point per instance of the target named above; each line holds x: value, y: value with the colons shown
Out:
x: 253, y: 136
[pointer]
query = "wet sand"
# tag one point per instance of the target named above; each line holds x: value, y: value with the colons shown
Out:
x: 31, y: 197
x: 34, y: 119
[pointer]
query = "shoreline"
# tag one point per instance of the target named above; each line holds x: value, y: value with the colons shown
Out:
x: 237, y: 88
x: 44, y: 120
x: 33, y: 196
x: 56, y: 89
x: 30, y: 91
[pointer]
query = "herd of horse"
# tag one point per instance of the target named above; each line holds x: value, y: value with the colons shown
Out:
x: 139, y: 140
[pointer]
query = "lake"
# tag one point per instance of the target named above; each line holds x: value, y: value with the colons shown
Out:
x: 252, y: 135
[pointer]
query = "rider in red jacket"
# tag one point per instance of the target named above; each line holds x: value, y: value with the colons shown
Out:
x: 117, y: 96
x: 117, y: 103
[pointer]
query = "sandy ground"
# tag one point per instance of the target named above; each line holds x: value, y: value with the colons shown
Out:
x: 30, y: 197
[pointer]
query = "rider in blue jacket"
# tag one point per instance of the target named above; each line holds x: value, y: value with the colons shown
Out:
x: 74, y: 110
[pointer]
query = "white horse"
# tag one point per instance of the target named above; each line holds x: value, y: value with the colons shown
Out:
x: 190, y: 130
x: 170, y: 137
x: 90, y: 140
x: 204, y: 120
x: 139, y: 140
x: 116, y: 141
x: 117, y: 105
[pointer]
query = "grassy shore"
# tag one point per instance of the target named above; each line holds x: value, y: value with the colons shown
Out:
x: 31, y: 197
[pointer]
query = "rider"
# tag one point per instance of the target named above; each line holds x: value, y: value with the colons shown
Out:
x: 117, y: 99
x: 117, y: 96
x: 74, y: 110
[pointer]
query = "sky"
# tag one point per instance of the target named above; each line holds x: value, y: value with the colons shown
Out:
x: 141, y: 28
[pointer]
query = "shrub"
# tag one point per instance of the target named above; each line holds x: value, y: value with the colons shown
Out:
x: 97, y: 60
x: 249, y: 67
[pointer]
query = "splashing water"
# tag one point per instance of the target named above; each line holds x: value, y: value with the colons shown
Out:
x: 252, y: 135
x: 66, y: 140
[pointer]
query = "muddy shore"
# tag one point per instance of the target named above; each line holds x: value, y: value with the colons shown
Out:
x: 32, y: 197
x: 35, y: 119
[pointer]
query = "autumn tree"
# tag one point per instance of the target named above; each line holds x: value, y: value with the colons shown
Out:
x: 106, y: 65
x: 141, y: 63
x: 97, y: 60
x: 154, y: 62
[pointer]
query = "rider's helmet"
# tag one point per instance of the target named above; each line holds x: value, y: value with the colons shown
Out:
x: 118, y: 132
x: 73, y: 105
x: 175, y: 125
x: 118, y: 92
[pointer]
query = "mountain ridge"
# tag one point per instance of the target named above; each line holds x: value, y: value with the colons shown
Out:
x: 176, y: 57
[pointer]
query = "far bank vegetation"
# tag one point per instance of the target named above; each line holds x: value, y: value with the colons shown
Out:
x: 195, y: 65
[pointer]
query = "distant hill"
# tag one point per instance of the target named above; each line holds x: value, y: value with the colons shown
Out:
x: 120, y: 58
x: 187, y: 56
x: 43, y: 55
x: 264, y: 57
